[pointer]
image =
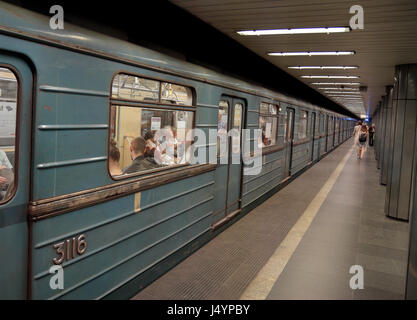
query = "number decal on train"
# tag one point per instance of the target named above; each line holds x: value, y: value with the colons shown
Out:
x: 69, y: 249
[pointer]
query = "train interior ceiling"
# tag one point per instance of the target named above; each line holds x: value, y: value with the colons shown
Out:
x: 109, y: 166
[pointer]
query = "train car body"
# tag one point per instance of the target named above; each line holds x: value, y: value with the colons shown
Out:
x: 112, y: 236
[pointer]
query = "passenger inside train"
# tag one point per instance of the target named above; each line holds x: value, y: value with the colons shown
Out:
x: 139, y: 161
x: 8, y: 104
x: 114, y: 159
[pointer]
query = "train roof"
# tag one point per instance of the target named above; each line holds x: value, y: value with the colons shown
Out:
x: 31, y: 25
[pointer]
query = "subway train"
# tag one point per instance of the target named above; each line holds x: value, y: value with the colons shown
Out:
x: 67, y: 97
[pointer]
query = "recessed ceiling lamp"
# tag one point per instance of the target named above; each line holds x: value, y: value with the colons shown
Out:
x: 330, y: 77
x: 324, y: 67
x: 311, y: 53
x: 337, y: 83
x: 270, y: 32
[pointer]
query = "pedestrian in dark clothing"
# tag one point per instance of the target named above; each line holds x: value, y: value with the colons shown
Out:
x: 139, y: 161
x: 371, y: 135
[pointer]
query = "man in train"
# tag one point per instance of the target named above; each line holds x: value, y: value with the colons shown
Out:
x: 139, y: 161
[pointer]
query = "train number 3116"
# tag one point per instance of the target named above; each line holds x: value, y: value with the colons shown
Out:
x: 70, y: 248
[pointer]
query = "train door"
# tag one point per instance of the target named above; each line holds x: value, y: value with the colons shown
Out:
x: 15, y: 130
x: 313, y: 132
x: 288, y: 141
x: 229, y: 170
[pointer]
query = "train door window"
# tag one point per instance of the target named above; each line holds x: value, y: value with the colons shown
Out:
x: 8, y: 118
x: 222, y: 127
x: 268, y: 123
x: 302, y: 125
x: 144, y: 137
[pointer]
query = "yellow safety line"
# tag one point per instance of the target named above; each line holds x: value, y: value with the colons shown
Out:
x: 260, y: 287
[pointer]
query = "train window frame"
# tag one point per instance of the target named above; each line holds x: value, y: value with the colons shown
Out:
x: 15, y: 165
x: 150, y: 105
x: 268, y: 114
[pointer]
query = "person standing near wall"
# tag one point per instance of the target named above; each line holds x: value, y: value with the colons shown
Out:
x: 371, y: 135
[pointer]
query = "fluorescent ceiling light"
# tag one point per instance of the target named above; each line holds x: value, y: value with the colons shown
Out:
x: 335, y: 88
x: 324, y: 67
x: 344, y: 92
x: 330, y: 77
x: 337, y: 83
x: 312, y: 53
x: 292, y: 31
x: 341, y: 95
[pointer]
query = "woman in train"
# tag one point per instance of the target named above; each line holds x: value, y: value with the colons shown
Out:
x: 150, y: 144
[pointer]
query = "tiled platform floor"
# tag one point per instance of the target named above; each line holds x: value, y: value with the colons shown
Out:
x: 349, y: 229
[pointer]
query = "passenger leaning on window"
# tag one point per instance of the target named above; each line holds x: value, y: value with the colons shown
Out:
x: 6, y: 175
x: 139, y: 161
x: 114, y: 158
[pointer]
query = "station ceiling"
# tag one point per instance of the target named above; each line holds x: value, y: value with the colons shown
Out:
x: 389, y: 38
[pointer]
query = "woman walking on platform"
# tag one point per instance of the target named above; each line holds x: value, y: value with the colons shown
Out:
x: 361, y: 141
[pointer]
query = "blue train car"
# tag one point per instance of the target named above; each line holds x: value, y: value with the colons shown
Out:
x: 73, y: 105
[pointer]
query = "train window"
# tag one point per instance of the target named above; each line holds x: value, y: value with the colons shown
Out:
x: 329, y: 125
x: 8, y: 112
x: 175, y: 94
x: 321, y: 123
x: 128, y: 87
x: 268, y: 122
x: 302, y: 125
x: 139, y: 144
x: 142, y: 137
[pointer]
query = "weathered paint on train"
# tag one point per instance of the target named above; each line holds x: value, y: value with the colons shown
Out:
x: 138, y: 228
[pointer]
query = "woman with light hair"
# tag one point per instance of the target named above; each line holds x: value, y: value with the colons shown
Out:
x: 361, y: 141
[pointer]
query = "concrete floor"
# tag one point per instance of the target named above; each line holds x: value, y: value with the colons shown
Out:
x: 350, y: 228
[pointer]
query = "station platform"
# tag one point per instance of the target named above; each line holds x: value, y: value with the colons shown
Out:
x: 302, y: 242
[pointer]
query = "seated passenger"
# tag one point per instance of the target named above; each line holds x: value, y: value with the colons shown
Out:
x: 150, y: 144
x: 6, y: 175
x: 114, y: 158
x: 137, y: 153
x: 165, y: 146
